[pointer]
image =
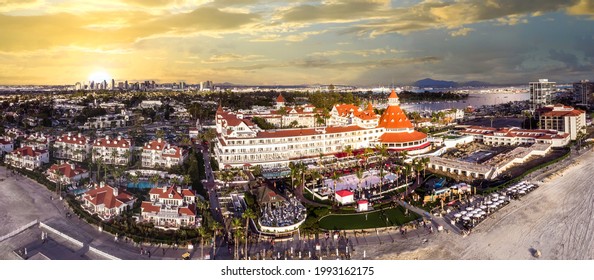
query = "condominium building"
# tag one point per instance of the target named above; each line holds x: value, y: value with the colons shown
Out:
x: 27, y: 157
x: 109, y: 150
x: 541, y: 93
x: 170, y: 207
x: 67, y: 173
x: 76, y: 147
x: 563, y: 119
x: 107, y: 201
x: 583, y: 92
x: 38, y: 140
x: 160, y: 154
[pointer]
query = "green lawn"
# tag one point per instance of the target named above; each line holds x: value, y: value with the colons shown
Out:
x: 375, y: 219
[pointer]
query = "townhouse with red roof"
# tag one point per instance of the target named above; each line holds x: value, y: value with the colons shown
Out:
x: 27, y: 158
x: 107, y: 201
x: 76, y: 147
x: 117, y: 151
x: 67, y: 173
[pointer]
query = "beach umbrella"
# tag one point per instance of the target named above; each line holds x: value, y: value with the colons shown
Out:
x: 469, y: 208
x: 483, y: 207
x: 488, y: 202
x: 494, y: 199
x: 501, y: 201
x: 463, y: 212
x: 466, y: 218
x: 457, y: 215
x: 477, y: 215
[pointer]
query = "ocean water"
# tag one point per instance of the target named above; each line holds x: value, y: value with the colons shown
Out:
x: 475, y: 100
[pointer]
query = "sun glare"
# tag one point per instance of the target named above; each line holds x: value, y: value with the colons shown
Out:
x: 99, y: 76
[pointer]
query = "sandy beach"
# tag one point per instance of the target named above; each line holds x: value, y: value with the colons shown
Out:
x: 557, y: 219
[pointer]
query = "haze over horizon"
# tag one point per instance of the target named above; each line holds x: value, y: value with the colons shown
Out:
x: 357, y: 42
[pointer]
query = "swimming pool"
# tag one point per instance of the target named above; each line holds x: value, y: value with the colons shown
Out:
x: 142, y: 185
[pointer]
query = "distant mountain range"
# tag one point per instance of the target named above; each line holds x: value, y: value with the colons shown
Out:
x: 430, y: 83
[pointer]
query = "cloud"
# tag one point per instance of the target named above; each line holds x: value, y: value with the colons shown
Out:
x: 45, y: 31
x: 332, y: 11
x: 461, y: 32
x: 231, y: 57
x: 582, y: 7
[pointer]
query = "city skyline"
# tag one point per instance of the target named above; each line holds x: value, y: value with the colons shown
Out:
x: 296, y: 42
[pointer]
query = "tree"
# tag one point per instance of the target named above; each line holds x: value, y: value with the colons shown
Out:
x: 155, y: 180
x: 359, y: 174
x: 247, y: 215
x: 160, y: 134
x: 335, y: 178
x: 187, y: 180
x: 215, y: 227
x: 204, y: 234
x: 236, y: 225
x: 348, y: 150
x: 114, y: 154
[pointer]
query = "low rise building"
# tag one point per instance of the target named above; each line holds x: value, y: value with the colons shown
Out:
x: 170, y: 207
x: 107, y: 201
x: 517, y: 136
x: 160, y: 154
x: 67, y: 173
x: 76, y: 147
x: 344, y: 197
x: 27, y: 157
x: 6, y: 145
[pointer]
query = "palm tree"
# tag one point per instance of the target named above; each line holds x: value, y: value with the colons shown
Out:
x: 294, y: 172
x: 407, y: 172
x: 187, y: 180
x: 155, y: 180
x: 127, y: 155
x: 425, y: 162
x: 247, y: 215
x: 335, y: 177
x: 204, y: 234
x: 418, y: 167
x: 348, y: 150
x: 359, y: 174
x: 215, y: 227
x: 236, y: 224
x: 114, y: 154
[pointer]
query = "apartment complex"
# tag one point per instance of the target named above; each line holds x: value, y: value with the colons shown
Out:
x: 76, y: 147
x: 517, y: 136
x: 27, y: 157
x: 109, y: 150
x: 107, y: 201
x: 160, y: 154
x: 541, y: 93
x: 67, y: 173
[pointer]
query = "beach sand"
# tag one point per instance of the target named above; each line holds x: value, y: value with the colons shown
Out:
x: 556, y: 219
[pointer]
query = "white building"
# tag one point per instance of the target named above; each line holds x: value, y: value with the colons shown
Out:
x: 344, y: 197
x: 541, y: 93
x: 27, y: 158
x: 37, y: 140
x: 516, y: 136
x: 6, y: 145
x: 108, y: 121
x: 76, y: 147
x: 170, y: 207
x: 160, y: 154
x: 116, y: 151
x: 349, y: 114
x: 107, y: 201
x: 563, y: 119
x: 583, y: 92
x: 67, y: 173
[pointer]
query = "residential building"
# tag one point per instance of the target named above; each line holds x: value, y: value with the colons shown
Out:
x: 107, y: 201
x: 160, y: 154
x: 583, y: 92
x: 563, y: 119
x: 27, y: 157
x: 170, y: 207
x: 517, y: 136
x: 541, y: 93
x: 38, y: 141
x: 76, y: 147
x: 109, y: 150
x: 122, y: 119
x: 6, y: 145
x: 349, y: 114
x: 67, y: 173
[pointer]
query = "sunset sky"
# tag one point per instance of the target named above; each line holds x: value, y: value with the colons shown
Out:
x: 292, y: 42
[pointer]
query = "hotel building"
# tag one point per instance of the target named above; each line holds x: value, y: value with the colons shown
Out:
x: 563, y: 119
x: 516, y: 136
x: 241, y: 143
x: 541, y: 93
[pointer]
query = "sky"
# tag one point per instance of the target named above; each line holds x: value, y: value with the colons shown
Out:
x: 278, y: 42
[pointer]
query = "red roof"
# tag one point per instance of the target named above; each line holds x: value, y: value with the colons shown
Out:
x: 147, y: 206
x: 344, y: 193
x: 27, y: 151
x: 188, y: 210
x: 347, y: 109
x: 66, y: 170
x: 402, y: 137
x: 394, y: 117
x: 363, y: 201
x: 164, y: 193
x: 73, y: 139
x: 5, y: 142
x: 280, y: 98
x: 393, y: 94
x: 112, y: 143
x: 105, y: 195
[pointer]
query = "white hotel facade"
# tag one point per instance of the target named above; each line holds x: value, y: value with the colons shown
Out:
x: 241, y: 143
